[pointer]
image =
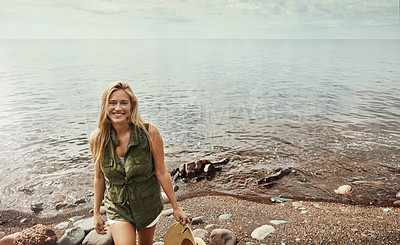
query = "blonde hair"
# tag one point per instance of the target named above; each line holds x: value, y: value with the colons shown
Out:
x: 101, y: 135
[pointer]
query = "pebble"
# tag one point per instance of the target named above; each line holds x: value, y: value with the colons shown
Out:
x: 24, y: 220
x: 80, y: 201
x: 297, y: 204
x: 37, y: 207
x: 158, y: 243
x: 60, y: 206
x: 222, y: 236
x: 61, y: 226
x: 398, y: 195
x: 396, y: 202
x: 75, y: 218
x: 225, y: 216
x: 96, y: 239
x: 344, y: 190
x: 262, y: 232
x: 387, y: 209
x: 280, y: 199
x: 72, y: 236
x: 277, y: 222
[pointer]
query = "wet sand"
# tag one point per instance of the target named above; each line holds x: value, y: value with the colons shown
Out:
x: 307, y: 222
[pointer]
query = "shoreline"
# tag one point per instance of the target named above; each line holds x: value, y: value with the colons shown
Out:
x: 307, y: 221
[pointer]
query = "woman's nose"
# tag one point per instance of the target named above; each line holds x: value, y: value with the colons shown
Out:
x: 118, y: 106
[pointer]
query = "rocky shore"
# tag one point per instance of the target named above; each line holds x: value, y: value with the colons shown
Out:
x: 288, y: 222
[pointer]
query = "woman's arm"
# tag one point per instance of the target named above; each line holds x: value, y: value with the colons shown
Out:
x: 99, y: 188
x: 157, y: 150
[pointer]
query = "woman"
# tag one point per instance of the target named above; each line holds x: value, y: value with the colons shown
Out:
x: 129, y: 169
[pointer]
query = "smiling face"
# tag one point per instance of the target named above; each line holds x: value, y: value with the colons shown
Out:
x: 119, y: 106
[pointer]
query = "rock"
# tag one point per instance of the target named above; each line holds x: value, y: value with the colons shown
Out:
x: 158, y: 243
x: 165, y: 197
x: 61, y: 226
x: 176, y: 188
x: 197, y: 220
x: 96, y: 239
x: 262, y: 232
x: 102, y: 210
x: 277, y: 222
x: 364, y: 199
x: 225, y: 216
x: 343, y: 190
x: 280, y: 199
x: 9, y: 240
x: 297, y: 204
x: 387, y: 209
x: 80, y: 201
x: 75, y: 218
x: 201, y: 233
x: 86, y: 224
x: 72, y: 236
x: 199, y: 241
x: 36, y: 235
x: 37, y: 207
x: 24, y: 220
x: 60, y: 206
x: 272, y: 178
x: 167, y: 212
x: 398, y: 195
x: 222, y: 237
x: 211, y: 227
x: 396, y: 202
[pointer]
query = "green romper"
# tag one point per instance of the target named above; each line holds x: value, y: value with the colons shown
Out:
x: 132, y: 194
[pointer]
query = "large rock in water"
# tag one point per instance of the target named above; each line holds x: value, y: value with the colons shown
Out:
x: 37, y: 235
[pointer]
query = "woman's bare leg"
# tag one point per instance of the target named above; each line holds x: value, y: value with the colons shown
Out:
x: 146, y: 236
x: 123, y: 233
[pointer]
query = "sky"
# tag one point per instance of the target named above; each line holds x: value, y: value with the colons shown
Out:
x: 199, y: 19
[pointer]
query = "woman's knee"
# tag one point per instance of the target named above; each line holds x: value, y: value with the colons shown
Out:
x: 146, y: 236
x: 123, y: 233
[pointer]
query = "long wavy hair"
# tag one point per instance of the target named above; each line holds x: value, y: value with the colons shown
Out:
x: 101, y: 135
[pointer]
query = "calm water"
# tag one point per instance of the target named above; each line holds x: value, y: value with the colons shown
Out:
x: 330, y: 109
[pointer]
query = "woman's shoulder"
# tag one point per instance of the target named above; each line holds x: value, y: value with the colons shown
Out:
x: 93, y: 135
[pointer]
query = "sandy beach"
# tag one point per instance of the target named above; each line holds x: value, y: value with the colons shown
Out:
x: 306, y: 222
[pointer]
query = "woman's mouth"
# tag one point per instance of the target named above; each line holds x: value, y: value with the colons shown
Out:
x: 118, y: 114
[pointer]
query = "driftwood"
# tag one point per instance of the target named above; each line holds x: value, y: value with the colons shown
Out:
x: 197, y: 170
x: 272, y: 178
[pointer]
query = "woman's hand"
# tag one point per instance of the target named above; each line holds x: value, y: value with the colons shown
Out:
x: 181, y: 216
x: 99, y: 225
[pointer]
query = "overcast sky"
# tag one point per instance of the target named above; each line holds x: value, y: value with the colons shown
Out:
x: 214, y: 19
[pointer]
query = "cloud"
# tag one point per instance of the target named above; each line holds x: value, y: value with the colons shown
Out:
x: 199, y: 17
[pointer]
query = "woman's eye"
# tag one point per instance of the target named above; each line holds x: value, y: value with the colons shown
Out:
x: 124, y: 103
x: 112, y: 103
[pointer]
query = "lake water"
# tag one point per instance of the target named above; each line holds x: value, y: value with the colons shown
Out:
x: 328, y: 109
